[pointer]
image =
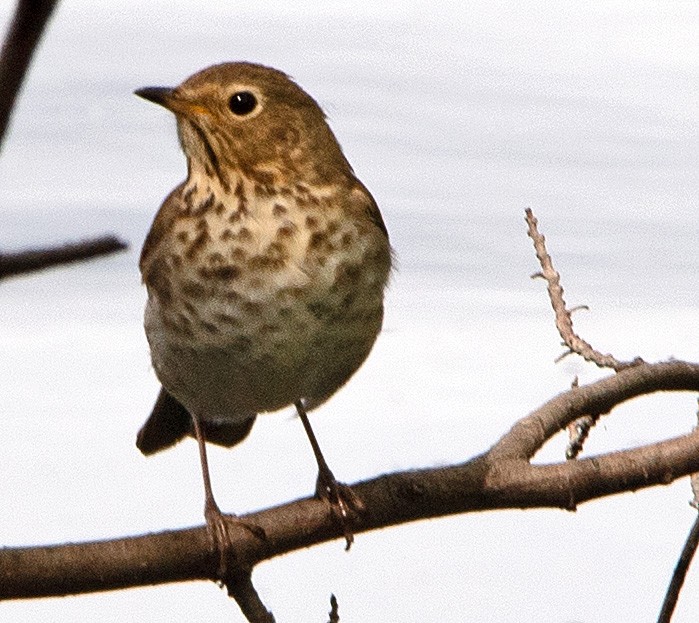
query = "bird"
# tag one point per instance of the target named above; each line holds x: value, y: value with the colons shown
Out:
x: 265, y: 271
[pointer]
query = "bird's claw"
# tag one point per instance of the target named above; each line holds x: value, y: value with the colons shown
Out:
x: 344, y: 503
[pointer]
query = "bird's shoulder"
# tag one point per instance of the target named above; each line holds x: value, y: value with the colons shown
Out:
x: 364, y: 204
x: 162, y: 224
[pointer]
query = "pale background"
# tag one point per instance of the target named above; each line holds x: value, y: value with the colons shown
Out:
x: 457, y: 119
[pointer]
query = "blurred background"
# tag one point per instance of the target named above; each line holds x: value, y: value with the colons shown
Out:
x: 456, y: 116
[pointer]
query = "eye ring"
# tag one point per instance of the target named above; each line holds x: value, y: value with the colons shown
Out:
x: 242, y: 103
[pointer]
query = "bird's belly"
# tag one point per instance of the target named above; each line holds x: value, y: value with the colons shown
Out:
x: 227, y: 352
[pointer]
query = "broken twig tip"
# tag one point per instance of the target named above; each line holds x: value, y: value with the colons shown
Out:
x: 334, y: 613
x: 572, y: 310
x: 562, y: 356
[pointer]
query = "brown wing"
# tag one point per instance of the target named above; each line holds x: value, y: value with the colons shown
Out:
x: 169, y: 422
x: 162, y: 223
x: 370, y: 206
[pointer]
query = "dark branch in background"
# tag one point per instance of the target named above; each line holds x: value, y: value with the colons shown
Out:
x: 688, y: 551
x: 673, y: 591
x: 27, y: 261
x: 23, y: 36
x: 28, y: 23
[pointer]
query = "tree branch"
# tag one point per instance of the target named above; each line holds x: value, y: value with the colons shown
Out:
x: 529, y: 434
x: 501, y: 478
x: 673, y: 590
x: 37, y: 259
x: 690, y: 547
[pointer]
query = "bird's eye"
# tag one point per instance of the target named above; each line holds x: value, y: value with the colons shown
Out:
x: 242, y: 103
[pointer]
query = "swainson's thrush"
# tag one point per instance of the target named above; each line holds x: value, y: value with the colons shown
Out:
x: 265, y: 268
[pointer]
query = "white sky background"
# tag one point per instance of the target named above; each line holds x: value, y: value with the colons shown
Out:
x: 457, y: 120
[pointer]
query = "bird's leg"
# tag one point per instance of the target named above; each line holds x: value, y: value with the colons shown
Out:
x: 215, y: 519
x: 343, y: 500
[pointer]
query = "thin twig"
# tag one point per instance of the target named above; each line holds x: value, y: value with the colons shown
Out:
x: 680, y: 573
x: 28, y: 23
x: 334, y: 613
x: 688, y: 551
x: 37, y: 259
x: 564, y: 322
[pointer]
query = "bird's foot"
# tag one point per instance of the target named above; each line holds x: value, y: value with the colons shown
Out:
x: 344, y: 502
x: 217, y: 525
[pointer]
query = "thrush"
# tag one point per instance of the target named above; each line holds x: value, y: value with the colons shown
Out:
x: 265, y: 269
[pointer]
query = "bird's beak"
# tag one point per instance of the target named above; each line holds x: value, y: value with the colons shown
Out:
x: 158, y: 95
x: 171, y: 99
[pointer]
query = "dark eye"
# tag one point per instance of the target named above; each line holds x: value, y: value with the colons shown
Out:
x: 242, y: 103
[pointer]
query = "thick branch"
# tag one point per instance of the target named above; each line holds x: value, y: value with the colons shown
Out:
x: 501, y: 478
x: 29, y: 21
x: 530, y: 433
x: 27, y: 261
